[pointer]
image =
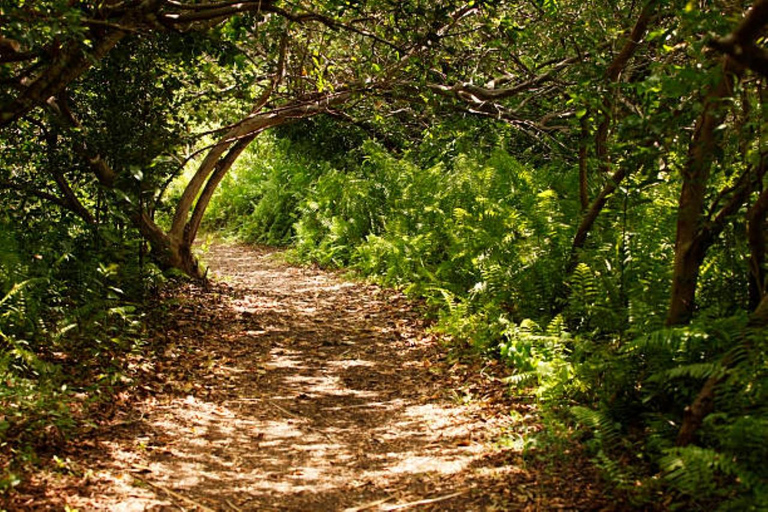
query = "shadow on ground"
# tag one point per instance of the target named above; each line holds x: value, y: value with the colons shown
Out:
x: 284, y: 388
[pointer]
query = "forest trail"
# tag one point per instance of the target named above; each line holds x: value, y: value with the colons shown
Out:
x: 285, y: 388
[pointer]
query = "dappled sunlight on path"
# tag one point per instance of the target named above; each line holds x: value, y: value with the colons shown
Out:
x: 327, y: 398
x: 285, y: 388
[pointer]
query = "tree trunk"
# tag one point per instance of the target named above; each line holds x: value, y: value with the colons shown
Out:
x: 583, y: 171
x: 756, y: 217
x: 704, y: 403
x: 167, y: 251
x: 690, y: 243
x: 612, y: 76
x: 591, y: 215
x: 590, y: 212
x: 694, y: 414
x: 222, y: 169
x: 196, y: 183
x: 246, y: 129
x: 175, y: 248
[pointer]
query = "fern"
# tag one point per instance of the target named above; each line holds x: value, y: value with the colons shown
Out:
x: 605, y: 430
x: 584, y: 287
x: 697, y: 472
x: 522, y: 379
x: 483, y: 238
x: 699, y: 371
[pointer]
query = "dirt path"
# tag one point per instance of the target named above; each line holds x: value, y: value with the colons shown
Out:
x: 284, y: 388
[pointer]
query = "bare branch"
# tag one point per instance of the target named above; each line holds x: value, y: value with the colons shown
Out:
x: 45, y: 196
x: 477, y: 94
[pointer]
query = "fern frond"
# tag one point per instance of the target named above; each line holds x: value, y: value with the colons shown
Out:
x: 521, y: 380
x: 698, y: 371
x: 15, y: 290
x: 694, y: 470
x: 605, y: 429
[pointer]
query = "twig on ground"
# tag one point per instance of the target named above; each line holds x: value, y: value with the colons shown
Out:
x: 285, y: 411
x: 234, y: 507
x: 174, y: 494
x: 428, y: 501
x: 360, y: 406
x: 368, y: 506
x: 100, y: 429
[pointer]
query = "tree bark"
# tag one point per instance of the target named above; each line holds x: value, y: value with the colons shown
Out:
x: 246, y: 130
x: 176, y: 245
x: 254, y: 123
x: 589, y: 217
x: 113, y: 23
x: 70, y: 199
x: 612, y: 76
x: 63, y: 203
x: 167, y: 251
x: 694, y: 414
x: 68, y: 195
x: 222, y: 168
x: 740, y: 44
x: 692, y: 241
x: 756, y: 225
x: 583, y: 171
x: 704, y: 403
x: 63, y: 113
x: 70, y: 62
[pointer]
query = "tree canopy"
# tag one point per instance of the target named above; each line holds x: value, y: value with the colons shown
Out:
x: 598, y: 168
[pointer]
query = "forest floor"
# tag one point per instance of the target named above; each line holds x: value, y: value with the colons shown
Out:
x: 278, y: 387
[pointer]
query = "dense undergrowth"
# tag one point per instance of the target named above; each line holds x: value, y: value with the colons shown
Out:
x: 485, y: 239
x: 577, y: 189
x: 71, y: 310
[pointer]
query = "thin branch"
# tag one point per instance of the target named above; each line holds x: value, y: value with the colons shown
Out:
x: 206, y: 6
x: 34, y: 192
x: 104, y: 23
x: 479, y: 94
x: 103, y: 171
x: 334, y: 24
x: 176, y: 495
x: 7, y: 58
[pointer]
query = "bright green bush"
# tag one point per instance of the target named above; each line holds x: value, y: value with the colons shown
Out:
x: 485, y: 239
x: 258, y: 199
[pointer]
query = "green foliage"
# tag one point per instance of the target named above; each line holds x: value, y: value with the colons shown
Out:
x: 666, y: 370
x: 258, y: 200
x: 472, y: 226
x: 702, y: 474
x: 476, y: 218
x: 70, y: 310
x: 485, y: 240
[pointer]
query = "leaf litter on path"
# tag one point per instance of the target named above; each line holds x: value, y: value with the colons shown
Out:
x: 285, y: 388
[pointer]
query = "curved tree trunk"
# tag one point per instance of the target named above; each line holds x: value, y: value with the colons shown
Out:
x: 692, y: 239
x: 167, y: 251
x: 175, y: 247
x: 190, y: 232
